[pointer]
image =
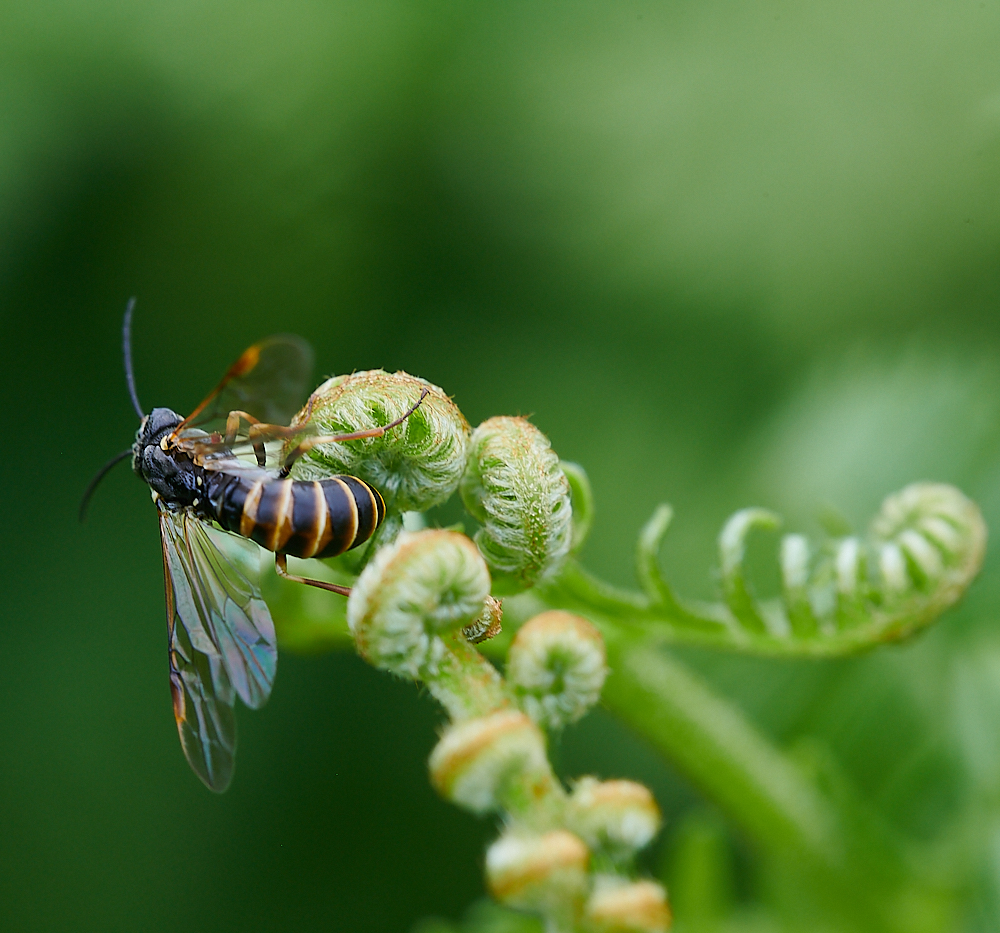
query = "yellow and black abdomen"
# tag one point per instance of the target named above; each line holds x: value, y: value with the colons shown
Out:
x: 299, y: 518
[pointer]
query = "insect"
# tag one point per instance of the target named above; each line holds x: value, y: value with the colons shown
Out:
x: 208, y: 472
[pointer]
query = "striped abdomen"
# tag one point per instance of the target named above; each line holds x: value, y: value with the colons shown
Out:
x: 302, y: 519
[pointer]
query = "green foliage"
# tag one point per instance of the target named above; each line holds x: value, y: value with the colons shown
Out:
x: 925, y: 547
x: 727, y: 254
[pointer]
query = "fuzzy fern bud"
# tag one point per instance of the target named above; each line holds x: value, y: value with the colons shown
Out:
x: 484, y: 763
x: 926, y: 546
x: 617, y: 817
x: 546, y: 872
x: 930, y: 538
x: 621, y: 906
x: 424, y: 584
x: 415, y: 465
x: 514, y: 486
x: 556, y: 667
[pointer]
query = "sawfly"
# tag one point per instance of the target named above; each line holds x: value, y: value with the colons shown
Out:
x: 220, y: 479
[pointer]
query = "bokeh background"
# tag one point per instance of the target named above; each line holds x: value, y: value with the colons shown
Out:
x: 725, y: 254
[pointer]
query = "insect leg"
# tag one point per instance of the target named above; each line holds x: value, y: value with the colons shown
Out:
x: 233, y: 427
x: 233, y: 424
x: 281, y: 566
x: 247, y: 361
x: 311, y: 442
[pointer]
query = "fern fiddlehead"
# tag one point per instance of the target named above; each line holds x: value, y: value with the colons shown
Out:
x: 423, y: 601
x: 923, y: 549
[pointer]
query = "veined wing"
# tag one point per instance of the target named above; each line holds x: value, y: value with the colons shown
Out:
x: 269, y: 381
x: 221, y: 643
x: 221, y: 608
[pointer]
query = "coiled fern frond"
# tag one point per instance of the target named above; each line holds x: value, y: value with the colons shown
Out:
x: 845, y: 594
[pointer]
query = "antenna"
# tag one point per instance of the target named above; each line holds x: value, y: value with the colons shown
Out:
x: 101, y: 473
x: 127, y: 353
x: 130, y: 381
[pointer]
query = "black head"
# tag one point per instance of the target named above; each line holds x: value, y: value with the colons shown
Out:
x: 155, y: 426
x: 168, y: 475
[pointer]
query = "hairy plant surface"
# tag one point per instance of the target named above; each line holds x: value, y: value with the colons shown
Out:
x: 422, y: 606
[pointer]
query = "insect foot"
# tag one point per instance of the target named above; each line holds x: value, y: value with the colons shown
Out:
x: 415, y: 465
x: 515, y: 488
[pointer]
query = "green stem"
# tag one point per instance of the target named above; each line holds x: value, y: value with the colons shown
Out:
x: 465, y: 683
x: 703, y: 734
x: 718, y: 749
x: 798, y: 828
x: 713, y: 625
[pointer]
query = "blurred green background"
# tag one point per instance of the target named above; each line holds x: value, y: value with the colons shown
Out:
x: 725, y: 254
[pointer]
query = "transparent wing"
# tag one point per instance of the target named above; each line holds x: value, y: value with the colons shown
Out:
x: 269, y: 381
x: 221, y: 640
